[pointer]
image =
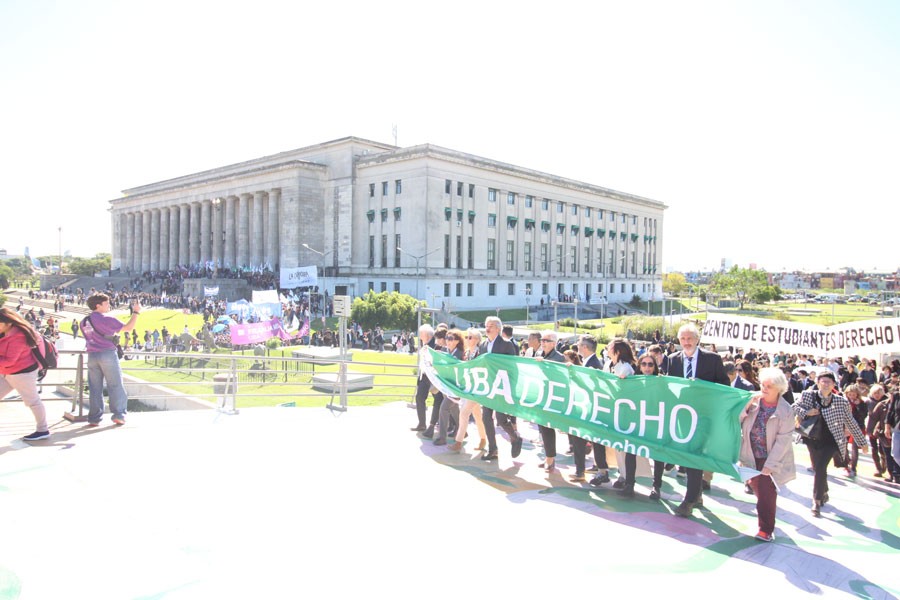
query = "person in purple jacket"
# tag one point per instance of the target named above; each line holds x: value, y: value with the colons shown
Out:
x: 100, y: 333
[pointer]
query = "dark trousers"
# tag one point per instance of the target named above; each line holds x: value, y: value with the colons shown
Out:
x: 630, y: 468
x: 878, y: 456
x: 548, y: 438
x: 891, y: 466
x: 694, y: 483
x: 422, y: 389
x: 503, y: 420
x: 766, y: 496
x: 659, y: 468
x: 821, y: 455
x: 579, y: 453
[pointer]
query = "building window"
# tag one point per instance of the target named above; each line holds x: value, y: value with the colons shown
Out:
x: 559, y: 258
x: 623, y: 288
x: 447, y: 213
x: 384, y: 286
x: 574, y: 256
x: 371, y: 286
x: 446, y: 290
x: 459, y: 255
x: 397, y: 212
x: 599, y: 214
x: 447, y: 253
x: 396, y: 286
x: 470, y: 289
x: 384, y: 192
x: 371, y: 190
x: 458, y: 290
x: 459, y: 218
x: 545, y: 205
x: 510, y: 289
x: 371, y: 251
x: 587, y: 260
x: 560, y: 208
x: 545, y: 266
x: 397, y: 244
x: 544, y: 289
x: 622, y: 264
x: 447, y: 185
x: 612, y: 216
x: 492, y: 195
x: 623, y: 218
x: 599, y: 260
x: 492, y: 220
x: 587, y: 212
x: 459, y: 188
x: 574, y: 210
x: 511, y: 198
x: 510, y: 255
x: 633, y: 288
x: 470, y: 255
x: 492, y: 289
x: 633, y: 263
x: 529, y: 201
x: 471, y: 190
x: 491, y: 253
x: 528, y: 256
x: 599, y: 288
x: 384, y: 251
x: 384, y: 215
x: 398, y: 186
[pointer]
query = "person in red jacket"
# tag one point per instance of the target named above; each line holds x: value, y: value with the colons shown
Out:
x: 19, y: 368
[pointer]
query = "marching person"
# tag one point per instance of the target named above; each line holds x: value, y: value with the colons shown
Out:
x: 548, y: 352
x: 19, y: 368
x: 470, y: 407
x: 767, y: 427
x: 835, y: 409
x: 496, y: 344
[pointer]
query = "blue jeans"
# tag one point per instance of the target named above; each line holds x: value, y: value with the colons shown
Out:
x: 895, y: 446
x: 105, y: 365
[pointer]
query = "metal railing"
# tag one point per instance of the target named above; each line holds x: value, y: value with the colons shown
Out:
x: 167, y: 380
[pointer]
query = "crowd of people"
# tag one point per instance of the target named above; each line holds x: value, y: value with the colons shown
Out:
x: 856, y: 407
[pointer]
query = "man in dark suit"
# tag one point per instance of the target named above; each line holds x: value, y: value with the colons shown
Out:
x: 693, y: 363
x: 423, y: 386
x: 587, y: 350
x: 548, y: 352
x: 496, y: 344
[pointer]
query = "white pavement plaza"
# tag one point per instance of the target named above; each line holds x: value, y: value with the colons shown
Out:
x: 303, y: 503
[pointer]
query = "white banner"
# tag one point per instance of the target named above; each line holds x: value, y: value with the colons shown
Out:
x: 863, y: 338
x: 292, y: 277
x: 210, y: 291
x: 265, y: 297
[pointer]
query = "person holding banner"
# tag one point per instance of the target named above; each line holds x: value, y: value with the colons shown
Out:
x: 835, y: 409
x: 496, y: 344
x: 694, y: 363
x: 548, y: 351
x: 470, y: 407
x: 449, y: 411
x: 767, y: 427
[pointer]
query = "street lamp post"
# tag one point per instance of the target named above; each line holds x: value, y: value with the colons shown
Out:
x: 417, y: 259
x: 324, y: 279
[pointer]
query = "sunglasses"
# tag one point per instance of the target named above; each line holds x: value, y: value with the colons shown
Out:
x: 547, y: 340
x: 648, y: 364
x: 739, y: 370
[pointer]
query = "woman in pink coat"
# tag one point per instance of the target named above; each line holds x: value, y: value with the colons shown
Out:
x: 19, y: 368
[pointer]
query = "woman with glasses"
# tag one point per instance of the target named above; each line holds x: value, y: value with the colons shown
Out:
x: 469, y: 407
x: 649, y: 367
x: 450, y: 407
x: 747, y: 373
x: 548, y: 434
x: 858, y: 408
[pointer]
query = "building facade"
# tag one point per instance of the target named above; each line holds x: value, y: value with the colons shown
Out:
x: 445, y: 226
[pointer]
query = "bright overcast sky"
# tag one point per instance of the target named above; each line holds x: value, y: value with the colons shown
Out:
x: 770, y: 129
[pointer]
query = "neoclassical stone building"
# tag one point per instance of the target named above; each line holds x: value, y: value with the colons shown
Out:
x: 450, y: 227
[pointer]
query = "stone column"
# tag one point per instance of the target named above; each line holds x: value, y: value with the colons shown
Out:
x: 243, y: 228
x: 184, y: 230
x: 173, y: 235
x: 138, y: 242
x: 128, y: 262
x: 217, y: 207
x: 272, y: 254
x: 205, y: 229
x: 164, y: 239
x: 194, y: 240
x: 146, y: 219
x: 256, y: 233
x: 154, y: 239
x: 230, y: 256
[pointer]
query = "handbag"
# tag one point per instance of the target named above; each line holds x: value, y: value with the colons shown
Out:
x: 812, y: 427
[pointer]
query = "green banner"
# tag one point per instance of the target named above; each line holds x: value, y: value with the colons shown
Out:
x: 686, y: 422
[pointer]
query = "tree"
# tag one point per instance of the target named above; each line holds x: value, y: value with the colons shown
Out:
x: 19, y: 266
x: 6, y: 275
x: 391, y: 310
x: 674, y: 284
x: 742, y: 284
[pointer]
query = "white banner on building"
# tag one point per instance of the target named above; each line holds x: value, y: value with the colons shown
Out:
x: 211, y: 291
x: 861, y: 338
x: 292, y: 277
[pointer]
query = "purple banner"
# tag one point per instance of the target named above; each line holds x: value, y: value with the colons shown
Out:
x: 252, y: 333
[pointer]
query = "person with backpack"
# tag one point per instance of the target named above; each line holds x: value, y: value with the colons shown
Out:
x: 99, y: 331
x: 19, y: 368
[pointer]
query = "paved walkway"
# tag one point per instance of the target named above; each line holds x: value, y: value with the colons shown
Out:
x: 282, y: 502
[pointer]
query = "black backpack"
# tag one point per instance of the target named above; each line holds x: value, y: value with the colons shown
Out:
x: 46, y: 355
